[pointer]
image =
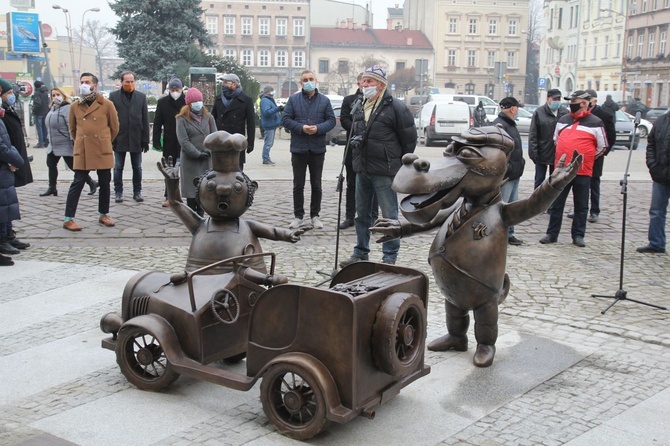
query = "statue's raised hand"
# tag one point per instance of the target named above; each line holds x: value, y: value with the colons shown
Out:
x: 563, y: 174
x: 169, y: 170
x: 388, y: 228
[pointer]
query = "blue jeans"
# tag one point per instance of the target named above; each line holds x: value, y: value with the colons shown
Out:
x: 41, y: 127
x: 509, y: 192
x: 301, y: 162
x: 580, y: 193
x: 136, y: 163
x: 660, y: 194
x: 269, y: 140
x: 541, y: 173
x: 367, y: 186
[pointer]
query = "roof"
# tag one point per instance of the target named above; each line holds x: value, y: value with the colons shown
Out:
x: 369, y: 38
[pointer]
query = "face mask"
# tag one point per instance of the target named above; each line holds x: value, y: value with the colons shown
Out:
x: 84, y: 89
x: 11, y: 99
x: 272, y: 93
x: 309, y: 86
x: 196, y: 106
x: 555, y: 105
x: 574, y: 108
x: 128, y: 87
x: 175, y: 94
x: 57, y: 99
x: 369, y: 92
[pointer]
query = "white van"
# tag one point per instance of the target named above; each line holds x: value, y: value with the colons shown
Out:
x: 470, y: 99
x: 439, y: 121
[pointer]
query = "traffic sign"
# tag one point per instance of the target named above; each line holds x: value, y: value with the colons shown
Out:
x: 542, y: 82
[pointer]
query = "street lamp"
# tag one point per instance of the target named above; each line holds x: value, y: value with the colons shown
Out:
x: 81, y: 36
x: 68, y: 26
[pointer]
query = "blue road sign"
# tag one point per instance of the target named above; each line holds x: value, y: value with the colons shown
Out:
x: 24, y: 31
x: 542, y: 82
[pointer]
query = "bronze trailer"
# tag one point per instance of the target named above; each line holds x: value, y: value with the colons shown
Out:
x: 324, y: 354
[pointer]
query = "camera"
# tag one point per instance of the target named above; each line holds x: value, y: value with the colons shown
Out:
x: 20, y: 88
x: 356, y: 141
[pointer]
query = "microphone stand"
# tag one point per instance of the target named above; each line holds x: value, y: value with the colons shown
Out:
x: 339, y: 189
x: 622, y: 294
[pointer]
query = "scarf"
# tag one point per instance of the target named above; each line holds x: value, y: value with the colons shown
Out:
x: 230, y: 95
x: 197, y: 117
x: 370, y: 106
x: 89, y: 98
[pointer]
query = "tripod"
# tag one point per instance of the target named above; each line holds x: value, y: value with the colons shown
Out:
x: 622, y: 294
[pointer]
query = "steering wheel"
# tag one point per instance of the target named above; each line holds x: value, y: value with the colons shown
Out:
x: 225, y: 306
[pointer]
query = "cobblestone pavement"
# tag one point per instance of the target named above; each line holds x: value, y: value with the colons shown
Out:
x: 624, y: 359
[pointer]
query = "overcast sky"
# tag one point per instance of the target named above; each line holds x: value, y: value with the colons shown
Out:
x: 56, y: 17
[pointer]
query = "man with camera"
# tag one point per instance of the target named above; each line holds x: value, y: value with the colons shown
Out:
x: 383, y: 131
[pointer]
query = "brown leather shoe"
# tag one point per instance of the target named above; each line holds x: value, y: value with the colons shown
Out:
x: 166, y: 204
x: 105, y: 220
x: 71, y: 225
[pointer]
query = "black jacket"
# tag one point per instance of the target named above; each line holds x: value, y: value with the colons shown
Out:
x: 12, y: 121
x: 238, y: 117
x: 608, y: 121
x: 345, y: 116
x: 610, y: 106
x: 515, y: 163
x: 658, y: 150
x: 133, y: 121
x: 41, y: 101
x: 165, y: 124
x: 387, y: 136
x: 541, y: 146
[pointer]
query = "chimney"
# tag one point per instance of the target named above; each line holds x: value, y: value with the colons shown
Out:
x: 350, y: 23
x: 409, y: 41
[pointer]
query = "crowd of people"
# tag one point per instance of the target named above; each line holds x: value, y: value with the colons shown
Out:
x: 93, y: 133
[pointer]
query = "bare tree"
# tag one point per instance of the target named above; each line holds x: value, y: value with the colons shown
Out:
x: 534, y: 34
x: 97, y: 36
x: 404, y: 80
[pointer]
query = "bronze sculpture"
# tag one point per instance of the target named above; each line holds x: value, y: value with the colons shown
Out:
x: 461, y: 193
x: 224, y: 193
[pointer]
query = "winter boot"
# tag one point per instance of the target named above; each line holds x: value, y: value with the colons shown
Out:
x: 16, y: 242
x: 6, y: 247
x: 50, y: 191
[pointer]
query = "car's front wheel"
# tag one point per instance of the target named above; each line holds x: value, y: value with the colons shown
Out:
x: 644, y: 131
x: 142, y: 360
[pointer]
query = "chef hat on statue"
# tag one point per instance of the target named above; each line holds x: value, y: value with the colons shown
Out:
x: 226, y: 149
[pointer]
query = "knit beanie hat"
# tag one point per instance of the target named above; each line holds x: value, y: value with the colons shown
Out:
x: 193, y: 95
x: 175, y: 82
x: 5, y: 86
x: 376, y: 72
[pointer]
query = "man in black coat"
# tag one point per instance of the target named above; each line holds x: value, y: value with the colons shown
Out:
x: 41, y: 103
x: 234, y: 112
x: 133, y: 136
x: 165, y: 124
x: 346, y: 120
x: 541, y: 145
x: 610, y: 106
x: 509, y: 192
x: 610, y: 132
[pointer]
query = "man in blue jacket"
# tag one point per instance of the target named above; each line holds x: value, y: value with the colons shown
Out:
x: 270, y: 120
x: 308, y: 116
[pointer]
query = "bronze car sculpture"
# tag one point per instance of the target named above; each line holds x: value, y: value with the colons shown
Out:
x: 460, y: 193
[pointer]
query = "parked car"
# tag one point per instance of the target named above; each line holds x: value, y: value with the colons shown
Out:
x: 523, y: 120
x: 335, y: 100
x: 441, y: 120
x: 337, y: 136
x: 654, y: 113
x: 644, y: 127
x: 531, y: 107
x: 624, y: 131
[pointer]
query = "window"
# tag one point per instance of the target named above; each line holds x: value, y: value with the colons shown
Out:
x: 606, y: 53
x: 662, y: 42
x: 651, y: 45
x: 299, y: 59
x: 453, y: 25
x: 511, y: 59
x: 323, y: 66
x: 342, y: 66
x: 472, y: 29
x: 560, y: 18
x: 299, y: 27
x: 644, y: 5
x: 595, y: 48
x: 264, y: 27
x: 229, y: 26
x: 263, y: 58
x: 584, y: 52
x: 551, y: 19
x: 617, y: 53
x: 451, y: 58
x: 654, y: 5
x: 490, y: 59
x: 247, y: 57
x: 281, y: 58
x: 400, y: 66
x: 281, y: 27
x: 211, y: 25
x: 247, y: 28
x: 212, y: 51
x: 493, y: 27
x: 469, y: 88
x: 472, y: 58
x: 630, y: 47
x: 640, y: 45
x: 230, y: 54
x: 512, y: 27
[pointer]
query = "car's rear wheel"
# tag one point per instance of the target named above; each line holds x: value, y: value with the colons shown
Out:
x: 142, y: 360
x: 429, y: 141
x: 293, y: 400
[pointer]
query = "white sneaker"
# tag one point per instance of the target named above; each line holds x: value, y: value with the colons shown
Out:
x: 316, y: 223
x: 295, y: 224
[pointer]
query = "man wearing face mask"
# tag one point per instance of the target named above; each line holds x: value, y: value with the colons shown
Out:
x: 383, y: 132
x: 234, y: 112
x: 270, y: 120
x: 541, y: 145
x: 584, y: 133
x: 165, y: 124
x: 509, y: 192
x: 94, y: 124
x: 133, y: 136
x: 308, y: 115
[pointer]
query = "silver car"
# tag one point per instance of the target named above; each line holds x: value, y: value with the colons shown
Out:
x: 624, y: 131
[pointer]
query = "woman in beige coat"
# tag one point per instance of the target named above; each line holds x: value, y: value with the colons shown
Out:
x: 93, y: 125
x: 194, y: 123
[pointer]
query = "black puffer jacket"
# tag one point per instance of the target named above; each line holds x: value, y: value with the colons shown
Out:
x: 658, y: 150
x: 541, y: 145
x: 515, y: 163
x: 165, y: 125
x: 388, y: 135
x: 12, y: 121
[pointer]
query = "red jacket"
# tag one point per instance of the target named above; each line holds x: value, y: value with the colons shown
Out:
x: 585, y: 135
